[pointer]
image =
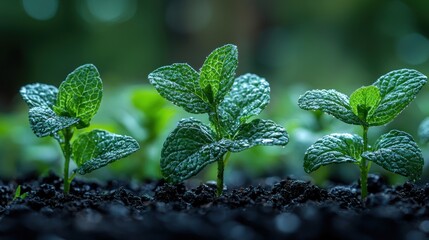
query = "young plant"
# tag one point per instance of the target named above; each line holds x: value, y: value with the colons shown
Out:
x: 18, y: 194
x: 368, y: 106
x: 58, y: 112
x: 229, y: 103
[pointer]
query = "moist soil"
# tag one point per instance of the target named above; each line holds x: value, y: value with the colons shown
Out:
x: 272, y: 208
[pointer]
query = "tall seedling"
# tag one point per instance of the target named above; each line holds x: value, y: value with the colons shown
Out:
x: 229, y: 102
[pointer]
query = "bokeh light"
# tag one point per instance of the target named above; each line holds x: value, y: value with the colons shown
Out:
x: 188, y: 16
x: 413, y: 49
x: 40, y: 9
x: 110, y: 11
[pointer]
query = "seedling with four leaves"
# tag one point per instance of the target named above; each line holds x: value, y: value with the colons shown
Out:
x: 229, y: 102
x: 368, y: 106
x: 59, y: 112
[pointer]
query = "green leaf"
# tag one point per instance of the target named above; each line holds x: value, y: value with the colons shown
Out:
x: 257, y: 132
x: 179, y: 84
x: 330, y: 102
x: 397, y: 152
x: 188, y: 149
x: 218, y: 71
x: 424, y: 131
x: 18, y: 194
x: 44, y: 121
x: 364, y: 101
x: 248, y: 97
x: 80, y: 94
x: 39, y: 95
x: 95, y: 149
x: 397, y: 89
x: 333, y: 148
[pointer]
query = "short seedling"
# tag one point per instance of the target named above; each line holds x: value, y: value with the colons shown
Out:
x: 368, y: 106
x: 58, y: 112
x: 228, y: 102
x: 18, y: 194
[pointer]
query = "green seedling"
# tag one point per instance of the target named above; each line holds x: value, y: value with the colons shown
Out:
x: 153, y: 115
x: 229, y: 102
x: 368, y: 106
x: 18, y: 194
x: 59, y: 112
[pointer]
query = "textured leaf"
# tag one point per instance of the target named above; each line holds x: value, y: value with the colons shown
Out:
x: 248, y: 97
x: 95, y: 149
x: 330, y: 102
x: 257, y: 132
x: 80, y: 94
x: 218, y: 71
x: 397, y: 152
x: 188, y: 149
x: 364, y: 101
x: 39, y: 95
x: 397, y: 89
x: 333, y: 148
x: 44, y: 121
x: 424, y: 131
x: 179, y: 84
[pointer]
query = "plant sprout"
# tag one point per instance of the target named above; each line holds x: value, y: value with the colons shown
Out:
x: 60, y: 112
x: 230, y: 104
x: 368, y: 106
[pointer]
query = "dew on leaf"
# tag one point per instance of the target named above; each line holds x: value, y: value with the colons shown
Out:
x: 265, y: 141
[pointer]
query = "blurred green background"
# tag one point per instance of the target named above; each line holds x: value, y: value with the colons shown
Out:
x: 295, y: 45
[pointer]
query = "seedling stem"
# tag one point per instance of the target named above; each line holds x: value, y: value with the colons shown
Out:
x: 363, y: 165
x: 67, y: 150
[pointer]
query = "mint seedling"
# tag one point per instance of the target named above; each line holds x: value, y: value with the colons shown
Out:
x: 368, y: 106
x: 229, y: 102
x: 59, y: 112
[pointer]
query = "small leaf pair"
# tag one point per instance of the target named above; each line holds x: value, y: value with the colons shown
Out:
x: 373, y: 105
x: 381, y: 102
x: 395, y: 151
x: 229, y: 102
x: 56, y: 112
x: 18, y: 195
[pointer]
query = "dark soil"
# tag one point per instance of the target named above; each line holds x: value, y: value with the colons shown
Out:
x: 271, y: 209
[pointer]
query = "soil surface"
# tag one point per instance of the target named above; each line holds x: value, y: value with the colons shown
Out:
x: 271, y: 208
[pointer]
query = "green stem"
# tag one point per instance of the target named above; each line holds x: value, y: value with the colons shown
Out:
x: 364, y: 166
x: 66, y: 148
x: 216, y: 123
x: 220, y: 170
x: 222, y: 161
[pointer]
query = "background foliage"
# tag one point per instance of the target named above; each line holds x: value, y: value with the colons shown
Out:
x: 295, y: 45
